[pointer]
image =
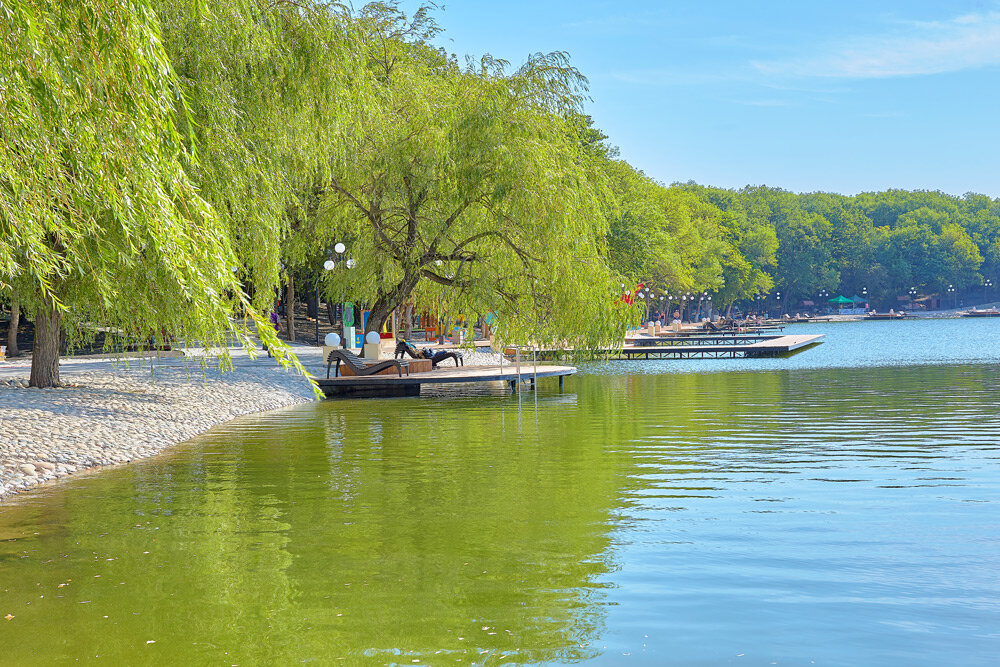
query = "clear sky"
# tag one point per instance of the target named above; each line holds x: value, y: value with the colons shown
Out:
x: 843, y: 96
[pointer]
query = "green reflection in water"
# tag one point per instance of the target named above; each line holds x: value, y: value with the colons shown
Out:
x: 400, y: 530
x: 498, y: 530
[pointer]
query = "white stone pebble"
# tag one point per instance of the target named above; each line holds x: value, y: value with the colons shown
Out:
x: 110, y: 417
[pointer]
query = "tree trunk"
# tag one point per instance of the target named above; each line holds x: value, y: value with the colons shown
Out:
x: 312, y: 305
x: 390, y: 301
x: 330, y: 315
x: 290, y: 309
x: 15, y: 322
x: 408, y: 318
x: 45, y: 354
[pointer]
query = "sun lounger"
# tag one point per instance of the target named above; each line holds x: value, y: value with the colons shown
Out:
x: 403, y: 348
x: 361, y: 366
x: 444, y: 355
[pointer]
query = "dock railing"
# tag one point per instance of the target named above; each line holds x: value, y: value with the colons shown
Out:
x: 519, y: 351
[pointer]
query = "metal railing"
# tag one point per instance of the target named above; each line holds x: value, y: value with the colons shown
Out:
x: 519, y: 350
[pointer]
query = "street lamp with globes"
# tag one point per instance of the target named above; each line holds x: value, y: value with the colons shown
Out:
x: 329, y: 265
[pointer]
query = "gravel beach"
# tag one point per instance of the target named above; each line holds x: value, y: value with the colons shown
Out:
x: 110, y: 415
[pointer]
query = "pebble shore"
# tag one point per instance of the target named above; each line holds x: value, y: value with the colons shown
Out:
x: 103, y: 415
x: 114, y: 416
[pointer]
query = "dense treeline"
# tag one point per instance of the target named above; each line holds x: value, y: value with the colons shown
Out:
x: 166, y: 164
x: 737, y: 244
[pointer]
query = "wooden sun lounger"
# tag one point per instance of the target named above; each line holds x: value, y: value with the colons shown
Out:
x: 361, y: 366
x: 403, y: 348
x: 444, y: 354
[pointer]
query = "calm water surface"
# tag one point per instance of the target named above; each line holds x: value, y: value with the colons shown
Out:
x: 839, y: 507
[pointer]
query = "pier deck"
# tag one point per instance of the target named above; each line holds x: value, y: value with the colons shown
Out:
x: 705, y: 339
x: 727, y: 347
x: 409, y: 385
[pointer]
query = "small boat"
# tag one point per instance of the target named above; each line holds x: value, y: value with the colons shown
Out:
x: 992, y: 312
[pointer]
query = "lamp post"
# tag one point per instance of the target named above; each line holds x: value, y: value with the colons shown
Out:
x: 987, y: 284
x: 864, y: 295
x: 954, y: 299
x: 329, y: 265
x: 822, y: 297
x: 777, y: 300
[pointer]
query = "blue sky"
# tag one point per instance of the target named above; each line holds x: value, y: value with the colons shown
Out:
x: 835, y: 96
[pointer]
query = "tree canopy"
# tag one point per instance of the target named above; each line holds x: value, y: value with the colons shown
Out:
x: 101, y: 216
x: 466, y: 190
x: 165, y: 166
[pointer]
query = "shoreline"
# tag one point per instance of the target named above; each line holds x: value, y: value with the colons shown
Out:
x: 108, y: 415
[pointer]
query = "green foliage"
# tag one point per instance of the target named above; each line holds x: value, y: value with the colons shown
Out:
x: 884, y: 242
x: 271, y: 89
x: 99, y: 219
x: 94, y: 197
x: 466, y: 192
x: 157, y: 162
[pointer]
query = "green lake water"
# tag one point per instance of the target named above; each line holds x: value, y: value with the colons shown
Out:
x: 839, y: 507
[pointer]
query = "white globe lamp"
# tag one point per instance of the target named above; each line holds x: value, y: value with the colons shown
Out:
x: 372, y: 337
x: 332, y: 340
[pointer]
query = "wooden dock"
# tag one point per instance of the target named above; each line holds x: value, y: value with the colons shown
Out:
x: 725, y: 347
x: 727, y: 338
x: 716, y: 346
x: 885, y: 317
x: 371, y: 386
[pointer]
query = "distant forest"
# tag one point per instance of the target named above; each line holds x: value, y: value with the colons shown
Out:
x: 758, y: 240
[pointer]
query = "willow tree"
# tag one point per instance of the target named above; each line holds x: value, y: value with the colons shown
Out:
x: 468, y: 192
x: 99, y: 223
x: 269, y: 89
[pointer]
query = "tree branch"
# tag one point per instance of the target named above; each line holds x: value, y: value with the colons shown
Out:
x: 441, y: 280
x: 370, y: 214
x: 432, y: 250
x: 523, y: 254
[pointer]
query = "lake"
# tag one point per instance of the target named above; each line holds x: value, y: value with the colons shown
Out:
x: 839, y: 507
